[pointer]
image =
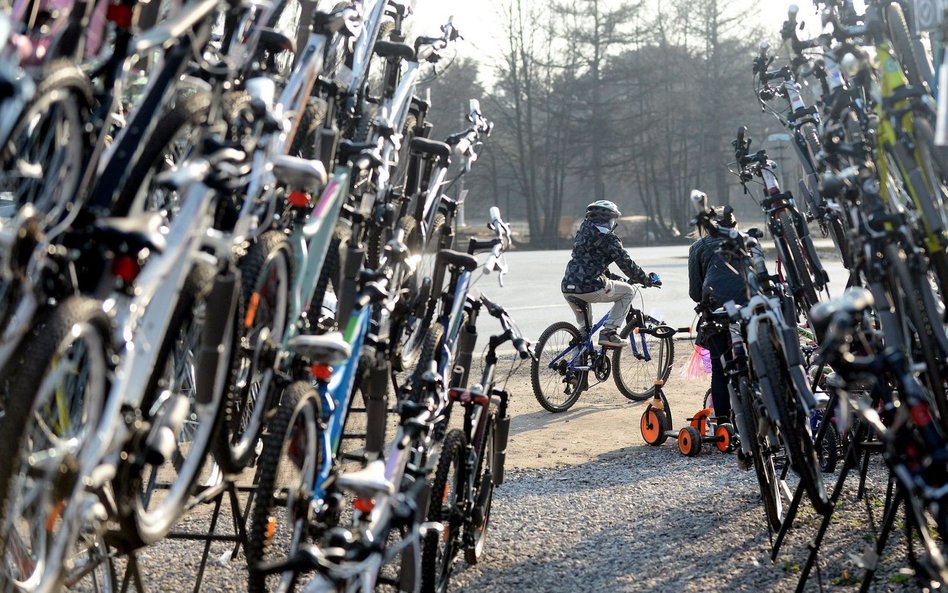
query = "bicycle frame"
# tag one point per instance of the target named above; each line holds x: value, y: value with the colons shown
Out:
x: 901, y: 117
x: 585, y: 346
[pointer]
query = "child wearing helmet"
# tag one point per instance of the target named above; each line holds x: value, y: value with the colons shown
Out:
x: 587, y: 278
x: 712, y: 281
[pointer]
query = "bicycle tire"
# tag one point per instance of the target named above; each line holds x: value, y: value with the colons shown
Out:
x: 306, y: 139
x: 935, y: 165
x: 144, y: 523
x: 136, y: 194
x: 802, y: 268
x: 67, y: 92
x: 77, y: 327
x: 827, y: 450
x: 328, y: 276
x: 431, y: 346
x: 298, y: 416
x: 573, y: 383
x: 644, y: 375
x: 446, y: 507
x: 763, y: 460
x: 483, y: 491
x: 402, y: 315
x: 266, y: 276
x: 792, y: 423
x: 924, y: 320
x: 427, y: 294
x: 905, y: 50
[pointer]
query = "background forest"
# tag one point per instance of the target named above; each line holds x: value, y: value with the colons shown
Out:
x: 632, y: 101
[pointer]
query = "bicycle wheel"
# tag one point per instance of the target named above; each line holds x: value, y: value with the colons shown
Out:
x: 917, y: 67
x: 156, y: 478
x: 57, y: 395
x: 45, y: 154
x: 767, y: 479
x: 483, y: 490
x: 266, y: 274
x: 799, y: 267
x: 286, y: 475
x: 635, y: 376
x: 429, y: 354
x: 556, y: 386
x: 916, y: 306
x: 175, y: 134
x: 426, y: 294
x: 793, y: 425
x: 935, y: 166
x: 446, y: 507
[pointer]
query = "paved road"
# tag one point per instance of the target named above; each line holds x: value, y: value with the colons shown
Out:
x: 531, y: 292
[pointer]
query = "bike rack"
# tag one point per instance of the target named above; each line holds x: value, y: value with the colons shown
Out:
x: 218, y: 487
x: 857, y: 455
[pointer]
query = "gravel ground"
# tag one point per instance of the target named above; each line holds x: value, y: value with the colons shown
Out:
x: 587, y: 506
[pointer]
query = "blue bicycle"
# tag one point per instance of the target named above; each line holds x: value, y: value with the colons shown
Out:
x: 565, y: 357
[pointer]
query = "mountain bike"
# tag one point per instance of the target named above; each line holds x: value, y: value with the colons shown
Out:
x: 770, y: 393
x: 898, y: 410
x: 796, y: 252
x: 565, y: 356
x: 471, y: 461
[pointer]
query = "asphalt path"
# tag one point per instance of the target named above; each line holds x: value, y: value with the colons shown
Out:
x: 531, y: 291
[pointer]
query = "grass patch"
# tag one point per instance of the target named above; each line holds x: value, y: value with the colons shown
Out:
x: 900, y: 579
x: 790, y: 567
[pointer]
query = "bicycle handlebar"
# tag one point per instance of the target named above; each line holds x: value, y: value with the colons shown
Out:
x: 521, y: 344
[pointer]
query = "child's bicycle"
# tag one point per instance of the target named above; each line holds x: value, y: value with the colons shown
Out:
x: 565, y: 357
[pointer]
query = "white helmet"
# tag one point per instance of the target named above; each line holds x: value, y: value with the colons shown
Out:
x: 603, y: 209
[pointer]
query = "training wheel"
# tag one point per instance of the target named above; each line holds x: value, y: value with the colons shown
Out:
x: 689, y: 441
x: 725, y: 437
x: 653, y: 426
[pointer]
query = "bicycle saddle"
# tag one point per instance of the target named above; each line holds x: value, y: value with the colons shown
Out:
x: 368, y: 482
x: 329, y: 349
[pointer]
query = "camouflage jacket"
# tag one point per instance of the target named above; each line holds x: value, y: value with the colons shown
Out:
x: 594, y: 249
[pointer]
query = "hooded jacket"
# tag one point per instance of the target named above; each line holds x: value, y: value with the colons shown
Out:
x: 594, y: 249
x: 709, y: 274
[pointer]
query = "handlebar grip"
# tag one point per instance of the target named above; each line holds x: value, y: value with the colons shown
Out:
x: 522, y: 347
x: 494, y: 214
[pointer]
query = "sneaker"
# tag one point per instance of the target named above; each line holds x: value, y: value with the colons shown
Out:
x: 610, y: 339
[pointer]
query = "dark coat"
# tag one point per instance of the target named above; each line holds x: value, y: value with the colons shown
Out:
x: 593, y: 252
x: 710, y: 275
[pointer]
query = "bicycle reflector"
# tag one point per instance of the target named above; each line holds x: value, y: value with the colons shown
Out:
x: 298, y: 199
x: 126, y: 268
x: 363, y: 505
x: 321, y: 372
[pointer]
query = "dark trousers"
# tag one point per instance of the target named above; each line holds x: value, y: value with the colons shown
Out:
x: 719, y: 345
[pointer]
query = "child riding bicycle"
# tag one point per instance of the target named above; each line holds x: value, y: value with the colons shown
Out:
x: 587, y: 278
